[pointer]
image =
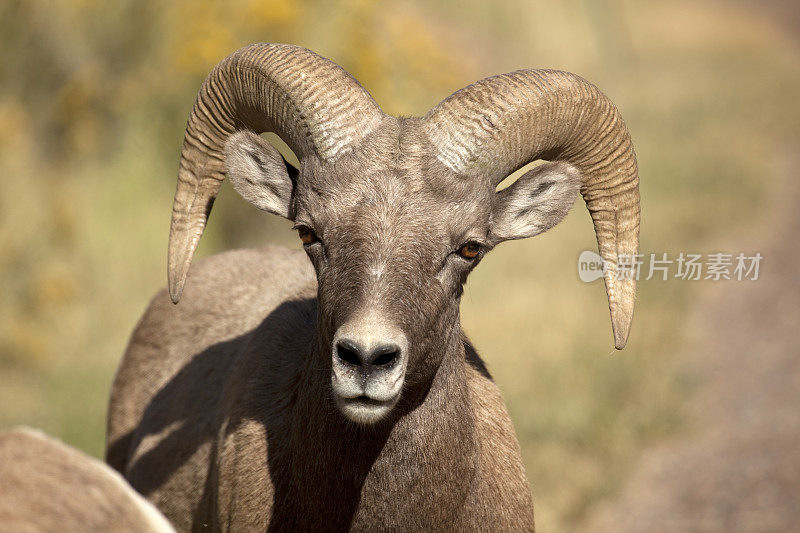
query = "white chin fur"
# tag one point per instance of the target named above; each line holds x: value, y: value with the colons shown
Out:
x: 364, y: 412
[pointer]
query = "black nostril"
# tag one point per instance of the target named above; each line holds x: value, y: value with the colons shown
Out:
x: 348, y: 353
x: 353, y: 354
x: 385, y: 355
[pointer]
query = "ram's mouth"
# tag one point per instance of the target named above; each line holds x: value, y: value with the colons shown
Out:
x: 366, y: 400
x: 364, y: 409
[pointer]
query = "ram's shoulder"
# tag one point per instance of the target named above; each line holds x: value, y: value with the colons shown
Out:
x: 488, y: 406
x: 181, y: 352
x: 271, y: 269
x: 246, y: 281
x: 502, y: 495
x: 226, y: 297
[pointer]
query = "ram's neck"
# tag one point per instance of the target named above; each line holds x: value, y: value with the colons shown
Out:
x: 429, y: 448
x: 321, y: 471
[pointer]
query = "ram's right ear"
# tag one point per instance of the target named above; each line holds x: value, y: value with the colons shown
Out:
x: 260, y: 174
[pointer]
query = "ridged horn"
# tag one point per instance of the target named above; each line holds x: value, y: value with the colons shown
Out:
x: 311, y: 103
x: 497, y: 125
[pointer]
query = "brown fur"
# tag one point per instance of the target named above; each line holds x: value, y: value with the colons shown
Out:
x: 47, y: 486
x: 221, y: 413
x: 200, y: 449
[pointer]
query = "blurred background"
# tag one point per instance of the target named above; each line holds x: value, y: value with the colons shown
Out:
x: 94, y: 97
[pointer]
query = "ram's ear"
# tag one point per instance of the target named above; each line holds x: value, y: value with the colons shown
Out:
x: 259, y: 173
x: 536, y: 202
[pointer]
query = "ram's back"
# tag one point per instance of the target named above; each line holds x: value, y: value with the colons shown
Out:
x: 165, y: 405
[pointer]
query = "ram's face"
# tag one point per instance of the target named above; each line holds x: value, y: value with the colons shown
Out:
x: 392, y: 234
x: 392, y: 248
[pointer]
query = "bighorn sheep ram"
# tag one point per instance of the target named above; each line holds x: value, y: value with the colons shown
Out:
x: 346, y: 396
x: 47, y: 486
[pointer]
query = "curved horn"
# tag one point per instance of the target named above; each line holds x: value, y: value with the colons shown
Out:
x: 497, y: 125
x: 316, y: 107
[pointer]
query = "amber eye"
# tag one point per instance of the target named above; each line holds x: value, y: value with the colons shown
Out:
x: 470, y: 250
x: 306, y: 235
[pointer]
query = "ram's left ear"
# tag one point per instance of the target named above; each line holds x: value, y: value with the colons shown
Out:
x: 536, y: 202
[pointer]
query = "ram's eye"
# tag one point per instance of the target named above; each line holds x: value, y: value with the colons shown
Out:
x: 307, y: 235
x: 470, y: 250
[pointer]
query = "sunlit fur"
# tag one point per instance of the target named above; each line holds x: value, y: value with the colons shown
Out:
x: 223, y: 406
x: 230, y: 410
x: 46, y: 485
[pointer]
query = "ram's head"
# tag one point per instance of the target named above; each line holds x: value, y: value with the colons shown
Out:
x: 395, y: 212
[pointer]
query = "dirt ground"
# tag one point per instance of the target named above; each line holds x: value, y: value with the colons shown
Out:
x: 738, y: 467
